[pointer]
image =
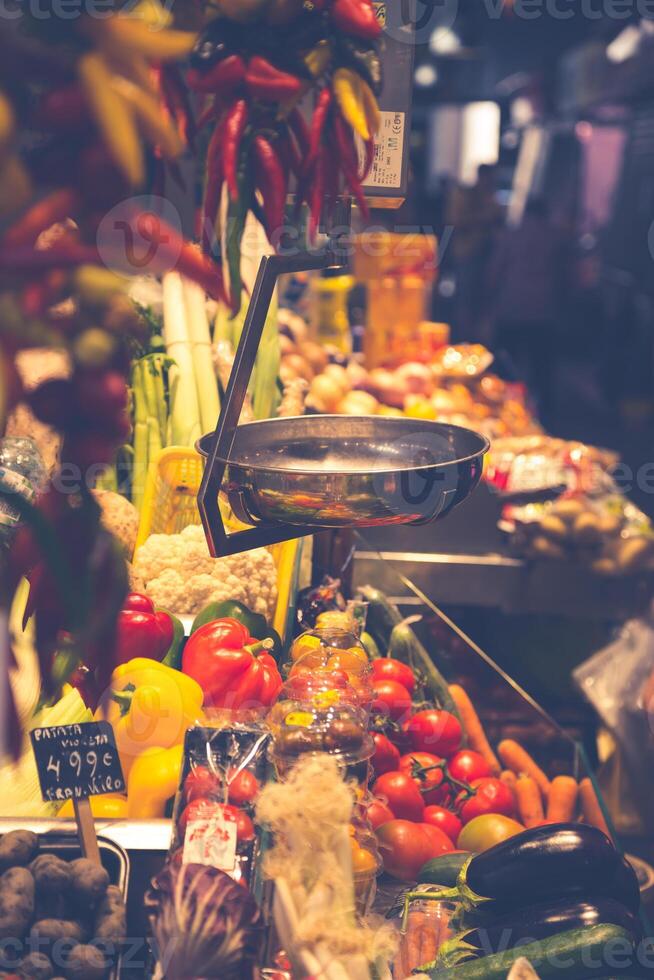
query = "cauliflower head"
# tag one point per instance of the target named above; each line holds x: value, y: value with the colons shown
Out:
x: 179, y: 574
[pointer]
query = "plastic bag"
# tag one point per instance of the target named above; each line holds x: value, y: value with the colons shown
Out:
x: 222, y: 772
x: 619, y: 682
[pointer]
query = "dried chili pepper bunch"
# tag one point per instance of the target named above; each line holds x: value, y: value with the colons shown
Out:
x: 253, y: 80
x: 101, y: 106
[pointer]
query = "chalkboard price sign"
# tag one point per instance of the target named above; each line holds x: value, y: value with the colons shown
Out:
x: 76, y: 761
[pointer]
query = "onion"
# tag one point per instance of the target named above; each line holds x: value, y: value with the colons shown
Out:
x: 357, y: 374
x: 299, y: 366
x: 324, y: 394
x: 387, y: 388
x: 315, y: 354
x: 358, y: 403
x: 417, y: 377
x: 339, y: 375
x: 292, y: 325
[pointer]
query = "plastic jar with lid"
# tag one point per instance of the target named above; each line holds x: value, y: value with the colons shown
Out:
x: 321, y: 651
x: 22, y: 475
x: 338, y: 729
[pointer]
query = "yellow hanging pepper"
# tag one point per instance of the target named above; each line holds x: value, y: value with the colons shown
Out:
x: 150, y: 705
x: 349, y: 95
x: 153, y: 779
x: 357, y: 102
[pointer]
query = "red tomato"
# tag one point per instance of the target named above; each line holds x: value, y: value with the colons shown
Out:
x: 378, y: 813
x: 388, y: 669
x: 491, y: 796
x: 445, y: 820
x: 391, y: 699
x: 467, y: 766
x: 242, y: 786
x: 439, y: 840
x: 421, y: 766
x: 386, y: 757
x: 404, y: 848
x: 434, y: 731
x: 403, y: 796
x: 199, y: 809
x: 201, y: 783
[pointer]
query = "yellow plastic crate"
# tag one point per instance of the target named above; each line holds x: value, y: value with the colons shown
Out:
x: 169, y: 505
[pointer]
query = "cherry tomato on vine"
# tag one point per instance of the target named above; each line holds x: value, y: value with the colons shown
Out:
x: 435, y: 731
x: 445, y: 820
x: 391, y: 699
x: 386, y: 757
x: 402, y: 794
x: 490, y: 796
x: 426, y: 770
x: 467, y: 766
x: 388, y: 669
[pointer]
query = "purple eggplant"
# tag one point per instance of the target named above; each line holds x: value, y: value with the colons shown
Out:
x: 552, y: 862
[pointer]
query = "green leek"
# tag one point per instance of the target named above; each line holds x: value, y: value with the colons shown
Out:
x: 198, y: 333
x: 186, y: 427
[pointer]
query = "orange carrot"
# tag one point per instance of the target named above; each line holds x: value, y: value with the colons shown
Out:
x: 562, y: 799
x: 473, y: 728
x: 509, y: 777
x: 530, y: 805
x: 590, y: 806
x: 515, y: 757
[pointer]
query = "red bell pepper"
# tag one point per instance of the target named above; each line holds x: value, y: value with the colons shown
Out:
x: 142, y: 632
x: 228, y: 665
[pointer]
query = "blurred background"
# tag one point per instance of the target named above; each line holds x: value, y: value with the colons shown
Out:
x: 531, y: 154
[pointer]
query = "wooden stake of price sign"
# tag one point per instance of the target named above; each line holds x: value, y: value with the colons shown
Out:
x: 75, y: 762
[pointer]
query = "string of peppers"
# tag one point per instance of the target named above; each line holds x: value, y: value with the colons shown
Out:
x: 253, y: 82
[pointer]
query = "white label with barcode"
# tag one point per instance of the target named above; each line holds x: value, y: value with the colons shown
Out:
x: 386, y: 170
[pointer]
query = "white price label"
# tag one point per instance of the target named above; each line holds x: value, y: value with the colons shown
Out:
x: 386, y: 170
x: 211, y: 840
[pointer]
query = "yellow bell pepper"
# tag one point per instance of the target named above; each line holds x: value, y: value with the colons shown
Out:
x: 110, y: 806
x: 150, y: 706
x: 153, y: 779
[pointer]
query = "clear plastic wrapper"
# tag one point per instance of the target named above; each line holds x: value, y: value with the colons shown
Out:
x: 222, y: 772
x: 619, y: 682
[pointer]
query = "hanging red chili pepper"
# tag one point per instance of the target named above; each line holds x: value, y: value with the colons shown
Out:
x: 213, y: 188
x: 316, y: 195
x: 223, y: 78
x: 318, y: 121
x: 271, y: 181
x: 349, y: 161
x: 356, y: 17
x: 54, y: 207
x: 268, y: 84
x: 235, y: 123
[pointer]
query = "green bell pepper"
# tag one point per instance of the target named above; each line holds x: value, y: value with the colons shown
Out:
x: 173, y: 657
x: 254, y: 622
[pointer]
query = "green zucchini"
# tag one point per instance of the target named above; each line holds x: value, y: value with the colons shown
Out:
x: 381, y: 617
x: 371, y: 646
x: 443, y: 870
x: 404, y: 645
x: 579, y: 954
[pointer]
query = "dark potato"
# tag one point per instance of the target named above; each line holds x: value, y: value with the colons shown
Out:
x: 111, y: 918
x: 36, y: 966
x: 16, y: 902
x: 86, y: 963
x: 51, y: 874
x: 18, y: 847
x: 89, y: 882
x: 54, y: 929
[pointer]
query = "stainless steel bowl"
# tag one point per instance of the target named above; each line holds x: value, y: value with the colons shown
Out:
x: 345, y: 471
